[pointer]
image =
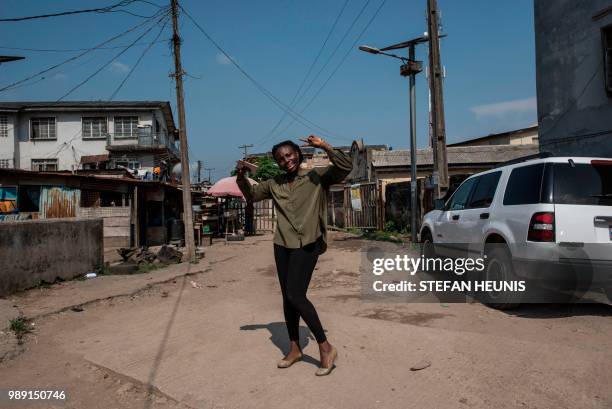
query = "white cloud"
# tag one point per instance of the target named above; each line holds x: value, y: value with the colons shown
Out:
x: 222, y: 59
x: 499, y: 109
x: 119, y: 67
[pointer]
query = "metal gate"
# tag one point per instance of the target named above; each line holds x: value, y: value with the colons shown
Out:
x: 370, y: 215
x: 265, y: 217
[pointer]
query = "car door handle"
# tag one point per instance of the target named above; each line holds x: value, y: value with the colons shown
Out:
x: 455, y: 217
x: 602, y: 219
x: 484, y: 215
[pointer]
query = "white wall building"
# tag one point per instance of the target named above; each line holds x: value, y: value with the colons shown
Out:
x: 49, y: 136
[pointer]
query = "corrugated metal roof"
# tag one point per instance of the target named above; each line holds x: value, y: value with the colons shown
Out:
x: 455, y: 155
x: 529, y: 129
x: 94, y: 158
x: 88, y: 178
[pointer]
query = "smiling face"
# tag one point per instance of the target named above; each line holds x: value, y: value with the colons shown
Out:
x: 287, y: 158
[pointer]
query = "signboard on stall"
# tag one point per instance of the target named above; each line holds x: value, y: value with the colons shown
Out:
x: 356, y: 197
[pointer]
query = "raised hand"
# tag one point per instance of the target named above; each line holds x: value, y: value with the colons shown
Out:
x: 241, y: 169
x: 316, y: 142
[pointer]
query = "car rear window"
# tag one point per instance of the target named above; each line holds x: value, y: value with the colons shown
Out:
x: 524, y: 185
x: 583, y: 183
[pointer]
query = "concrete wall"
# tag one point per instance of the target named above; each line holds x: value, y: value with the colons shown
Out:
x: 32, y: 251
x: 116, y: 222
x: 574, y: 110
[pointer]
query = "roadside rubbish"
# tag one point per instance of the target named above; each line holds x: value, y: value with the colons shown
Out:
x: 195, y: 285
x: 169, y: 255
x: 91, y: 275
x: 136, y: 254
x: 420, y: 365
x: 141, y: 259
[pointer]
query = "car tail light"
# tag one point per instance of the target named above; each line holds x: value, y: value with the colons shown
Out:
x: 599, y: 162
x: 542, y: 227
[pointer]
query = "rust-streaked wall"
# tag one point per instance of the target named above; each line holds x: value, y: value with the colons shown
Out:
x: 32, y: 251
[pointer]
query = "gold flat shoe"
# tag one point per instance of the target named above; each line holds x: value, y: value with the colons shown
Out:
x: 327, y: 371
x: 286, y: 363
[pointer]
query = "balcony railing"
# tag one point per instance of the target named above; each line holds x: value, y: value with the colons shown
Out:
x: 144, y: 138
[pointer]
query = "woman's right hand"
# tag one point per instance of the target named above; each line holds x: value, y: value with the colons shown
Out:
x: 240, y: 169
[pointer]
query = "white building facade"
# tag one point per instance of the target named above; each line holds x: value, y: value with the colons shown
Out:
x: 49, y: 136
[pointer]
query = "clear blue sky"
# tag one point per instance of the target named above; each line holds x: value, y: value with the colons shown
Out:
x: 488, y: 55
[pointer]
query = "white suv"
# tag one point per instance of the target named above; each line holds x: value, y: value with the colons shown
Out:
x: 547, y: 219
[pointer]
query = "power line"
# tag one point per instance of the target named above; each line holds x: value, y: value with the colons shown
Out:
x: 106, y: 64
x: 299, y: 118
x: 340, y: 63
x: 138, y: 61
x: 314, y: 62
x: 137, y: 26
x: 66, y: 50
x: 351, y: 48
x: 106, y: 9
x: 346, y: 33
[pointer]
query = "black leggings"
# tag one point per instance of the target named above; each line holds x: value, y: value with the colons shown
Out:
x: 295, y: 267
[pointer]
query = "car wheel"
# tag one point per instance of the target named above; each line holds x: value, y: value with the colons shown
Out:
x: 608, y: 291
x: 499, y: 268
x: 427, y: 245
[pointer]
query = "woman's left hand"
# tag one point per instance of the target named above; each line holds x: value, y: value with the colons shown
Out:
x: 316, y: 142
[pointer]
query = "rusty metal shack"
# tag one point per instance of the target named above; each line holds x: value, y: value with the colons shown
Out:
x: 135, y: 212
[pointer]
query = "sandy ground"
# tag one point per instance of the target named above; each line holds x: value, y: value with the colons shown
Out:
x: 209, y: 336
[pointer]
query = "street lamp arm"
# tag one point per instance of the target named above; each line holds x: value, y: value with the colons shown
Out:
x: 394, y: 56
x: 373, y: 50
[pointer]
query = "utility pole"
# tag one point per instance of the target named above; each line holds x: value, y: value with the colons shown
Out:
x: 409, y: 68
x: 413, y: 147
x: 438, y: 143
x: 180, y: 104
x: 209, y: 170
x: 245, y: 147
x: 199, y: 171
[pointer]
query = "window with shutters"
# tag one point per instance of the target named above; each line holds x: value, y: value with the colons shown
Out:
x: 126, y: 126
x: 43, y: 128
x: 3, y: 126
x: 94, y: 127
x: 44, y: 165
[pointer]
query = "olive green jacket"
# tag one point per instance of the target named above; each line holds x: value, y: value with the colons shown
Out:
x: 302, y: 207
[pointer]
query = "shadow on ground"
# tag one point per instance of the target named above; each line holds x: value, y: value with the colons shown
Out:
x: 278, y: 336
x: 561, y: 310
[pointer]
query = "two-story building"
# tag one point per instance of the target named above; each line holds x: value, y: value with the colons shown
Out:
x: 50, y: 136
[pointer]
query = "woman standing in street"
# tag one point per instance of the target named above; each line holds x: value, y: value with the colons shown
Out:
x: 300, y: 199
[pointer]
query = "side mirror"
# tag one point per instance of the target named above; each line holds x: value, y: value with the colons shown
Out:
x: 439, y: 204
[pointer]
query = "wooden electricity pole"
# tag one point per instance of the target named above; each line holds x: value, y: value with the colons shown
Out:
x: 438, y: 143
x: 245, y: 147
x: 180, y: 105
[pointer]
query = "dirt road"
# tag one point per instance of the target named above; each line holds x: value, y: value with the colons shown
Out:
x: 212, y: 339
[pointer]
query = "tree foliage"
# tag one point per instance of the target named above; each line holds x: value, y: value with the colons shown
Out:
x: 266, y: 169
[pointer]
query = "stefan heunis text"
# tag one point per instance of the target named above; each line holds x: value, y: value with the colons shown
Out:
x: 444, y: 286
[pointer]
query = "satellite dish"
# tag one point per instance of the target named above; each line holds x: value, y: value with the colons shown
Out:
x: 177, y: 169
